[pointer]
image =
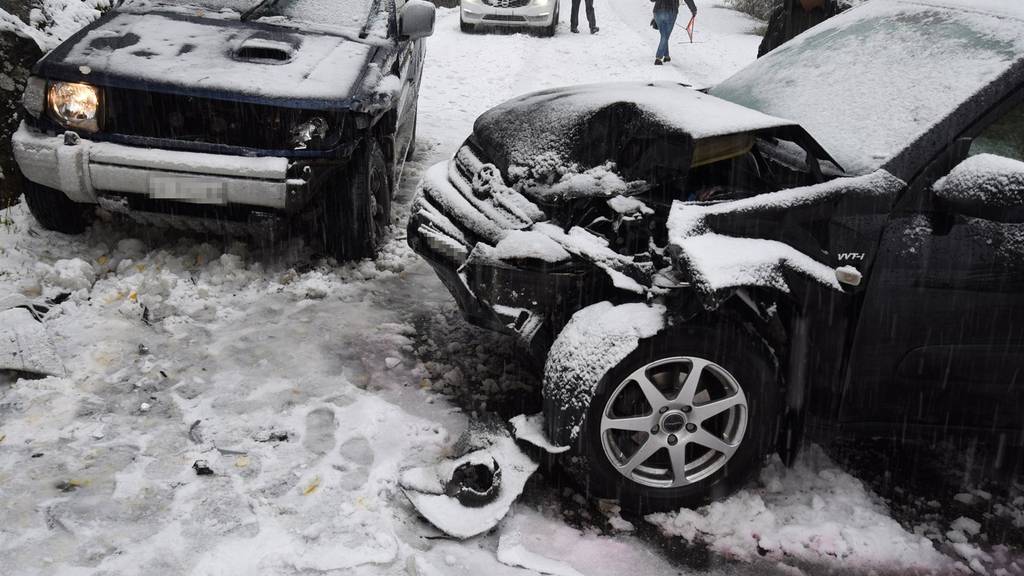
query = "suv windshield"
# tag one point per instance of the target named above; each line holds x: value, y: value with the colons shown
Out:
x: 870, y: 82
x: 351, y: 15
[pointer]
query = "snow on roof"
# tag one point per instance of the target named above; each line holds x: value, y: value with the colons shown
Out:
x: 199, y: 53
x: 870, y: 82
x: 719, y: 262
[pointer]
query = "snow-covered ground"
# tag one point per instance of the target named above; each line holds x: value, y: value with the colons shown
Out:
x: 307, y: 387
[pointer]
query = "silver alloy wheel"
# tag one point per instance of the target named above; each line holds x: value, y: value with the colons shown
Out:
x: 674, y: 422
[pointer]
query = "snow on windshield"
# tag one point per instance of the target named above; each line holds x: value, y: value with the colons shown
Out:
x: 868, y: 83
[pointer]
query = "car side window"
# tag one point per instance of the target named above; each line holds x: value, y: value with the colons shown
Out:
x: 1005, y: 137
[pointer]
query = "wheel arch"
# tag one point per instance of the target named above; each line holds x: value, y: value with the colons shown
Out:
x: 571, y: 383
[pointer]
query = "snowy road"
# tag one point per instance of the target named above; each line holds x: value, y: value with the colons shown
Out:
x: 307, y: 387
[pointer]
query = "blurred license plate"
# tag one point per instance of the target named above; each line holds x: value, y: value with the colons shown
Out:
x: 195, y: 190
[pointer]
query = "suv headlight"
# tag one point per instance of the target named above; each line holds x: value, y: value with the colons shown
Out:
x: 74, y: 105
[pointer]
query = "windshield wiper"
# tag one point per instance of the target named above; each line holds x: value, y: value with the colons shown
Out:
x: 258, y: 9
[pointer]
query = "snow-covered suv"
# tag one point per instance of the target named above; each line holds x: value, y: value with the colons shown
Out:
x: 229, y: 115
x: 833, y: 238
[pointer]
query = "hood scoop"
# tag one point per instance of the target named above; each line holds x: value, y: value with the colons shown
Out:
x: 265, y: 50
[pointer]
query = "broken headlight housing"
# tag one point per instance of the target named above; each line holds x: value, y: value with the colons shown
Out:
x: 74, y: 105
x: 311, y: 134
x: 34, y: 97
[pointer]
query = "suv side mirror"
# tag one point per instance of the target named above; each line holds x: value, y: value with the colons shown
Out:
x: 984, y: 186
x: 416, y: 20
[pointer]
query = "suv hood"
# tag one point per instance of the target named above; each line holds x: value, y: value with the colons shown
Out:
x: 209, y: 55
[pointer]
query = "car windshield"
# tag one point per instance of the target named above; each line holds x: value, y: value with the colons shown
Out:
x: 869, y: 83
x: 351, y: 15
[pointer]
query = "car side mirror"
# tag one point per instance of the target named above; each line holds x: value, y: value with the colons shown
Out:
x: 984, y: 186
x: 416, y: 20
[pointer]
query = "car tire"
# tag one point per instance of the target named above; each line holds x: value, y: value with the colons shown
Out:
x: 466, y: 27
x: 550, y: 31
x: 354, y: 217
x: 55, y: 211
x: 739, y: 354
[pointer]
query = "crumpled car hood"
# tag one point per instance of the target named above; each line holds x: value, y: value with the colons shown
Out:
x: 207, y: 54
x: 640, y: 128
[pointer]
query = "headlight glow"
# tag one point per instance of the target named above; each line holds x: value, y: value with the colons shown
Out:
x: 74, y: 105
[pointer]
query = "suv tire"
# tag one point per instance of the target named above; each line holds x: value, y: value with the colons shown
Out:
x: 355, y: 215
x: 55, y: 211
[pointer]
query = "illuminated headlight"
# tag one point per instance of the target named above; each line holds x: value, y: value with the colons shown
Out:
x: 74, y: 105
x: 310, y: 134
x: 34, y: 98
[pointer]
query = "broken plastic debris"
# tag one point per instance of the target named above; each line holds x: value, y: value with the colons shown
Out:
x: 530, y: 429
x: 202, y: 468
x: 426, y: 487
x: 849, y: 275
x: 475, y: 484
x: 391, y: 362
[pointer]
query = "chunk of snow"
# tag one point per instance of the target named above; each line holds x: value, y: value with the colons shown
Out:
x: 511, y: 552
x: 529, y: 245
x: 996, y: 180
x: 821, y: 514
x: 967, y: 526
x: 530, y: 429
x: 26, y: 346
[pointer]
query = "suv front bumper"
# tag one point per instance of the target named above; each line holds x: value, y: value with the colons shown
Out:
x: 85, y: 170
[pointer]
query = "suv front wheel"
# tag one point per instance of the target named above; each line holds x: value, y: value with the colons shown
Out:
x: 686, y: 418
x: 55, y: 211
x: 354, y: 216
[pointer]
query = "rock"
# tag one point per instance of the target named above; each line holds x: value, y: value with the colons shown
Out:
x: 19, y: 56
x: 202, y: 468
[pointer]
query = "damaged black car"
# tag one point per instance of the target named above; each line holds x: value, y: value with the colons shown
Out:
x: 231, y: 116
x: 831, y: 239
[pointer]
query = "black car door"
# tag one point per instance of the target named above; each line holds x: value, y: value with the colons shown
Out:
x: 940, y: 339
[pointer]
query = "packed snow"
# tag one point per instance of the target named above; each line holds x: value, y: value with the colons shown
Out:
x: 307, y: 387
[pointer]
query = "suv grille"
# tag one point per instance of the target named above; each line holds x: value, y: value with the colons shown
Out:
x: 191, y: 119
x: 507, y: 3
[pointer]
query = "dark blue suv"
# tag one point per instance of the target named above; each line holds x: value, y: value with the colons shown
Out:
x: 229, y: 115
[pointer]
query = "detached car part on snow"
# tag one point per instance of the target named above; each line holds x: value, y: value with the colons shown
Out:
x: 229, y: 115
x: 702, y: 275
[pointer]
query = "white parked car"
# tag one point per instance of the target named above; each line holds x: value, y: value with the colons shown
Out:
x: 540, y: 15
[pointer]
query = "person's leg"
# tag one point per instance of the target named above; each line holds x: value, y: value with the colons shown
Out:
x: 574, y: 17
x: 661, y: 18
x: 591, y: 16
x: 666, y: 32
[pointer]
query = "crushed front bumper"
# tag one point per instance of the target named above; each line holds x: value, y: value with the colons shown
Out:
x: 86, y: 171
x: 530, y: 304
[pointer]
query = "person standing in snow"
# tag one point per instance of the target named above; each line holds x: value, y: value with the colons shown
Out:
x: 574, y: 23
x: 793, y: 17
x: 666, y: 12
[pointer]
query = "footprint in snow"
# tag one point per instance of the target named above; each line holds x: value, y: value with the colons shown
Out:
x: 320, y: 428
x: 359, y: 456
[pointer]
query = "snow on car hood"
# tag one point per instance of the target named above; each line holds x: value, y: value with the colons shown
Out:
x: 635, y: 128
x: 164, y: 49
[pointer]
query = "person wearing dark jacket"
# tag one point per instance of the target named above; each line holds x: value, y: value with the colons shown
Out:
x: 574, y: 19
x: 793, y: 17
x: 666, y: 12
